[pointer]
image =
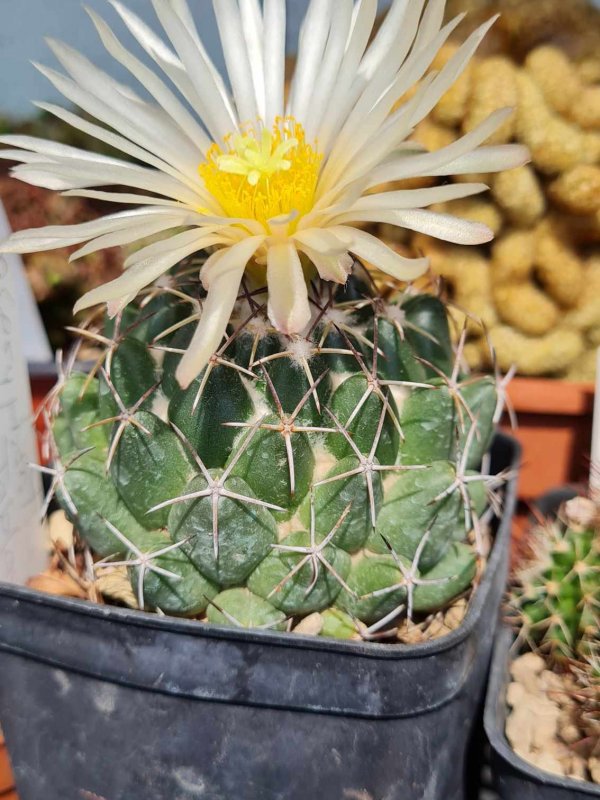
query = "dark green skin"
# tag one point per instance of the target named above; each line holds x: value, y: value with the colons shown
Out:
x: 397, y: 361
x: 185, y: 597
x: 144, y: 324
x: 149, y: 468
x: 225, y: 399
x: 266, y: 449
x: 481, y: 396
x: 409, y: 510
x: 291, y: 384
x: 357, y: 287
x: 180, y: 340
x: 332, y: 499
x: 265, y: 347
x: 427, y: 424
x: 456, y: 569
x: 247, y: 610
x: 246, y: 532
x: 292, y: 597
x: 80, y: 411
x: 337, y: 624
x: 132, y: 373
x: 364, y: 425
x: 371, y: 573
x: 96, y: 498
x: 429, y: 314
x: 338, y: 362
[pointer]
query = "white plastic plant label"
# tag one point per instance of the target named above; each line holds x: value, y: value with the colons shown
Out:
x: 22, y: 551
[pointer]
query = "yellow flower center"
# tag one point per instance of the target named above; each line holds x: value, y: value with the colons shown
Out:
x: 263, y: 174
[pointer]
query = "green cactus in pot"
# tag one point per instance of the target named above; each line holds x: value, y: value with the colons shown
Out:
x: 264, y: 435
x: 332, y: 473
x: 556, y: 596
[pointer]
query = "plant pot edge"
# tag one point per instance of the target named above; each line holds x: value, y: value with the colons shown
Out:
x: 504, y: 759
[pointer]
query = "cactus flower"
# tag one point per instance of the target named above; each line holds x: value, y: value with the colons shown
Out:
x: 276, y: 187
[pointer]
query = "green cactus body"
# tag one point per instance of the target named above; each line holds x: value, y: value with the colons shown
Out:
x: 557, y: 594
x: 331, y: 473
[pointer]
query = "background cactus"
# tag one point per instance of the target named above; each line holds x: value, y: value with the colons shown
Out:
x: 335, y: 472
x: 557, y: 593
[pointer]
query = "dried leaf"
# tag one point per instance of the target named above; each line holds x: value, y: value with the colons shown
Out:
x: 57, y: 582
x: 113, y: 582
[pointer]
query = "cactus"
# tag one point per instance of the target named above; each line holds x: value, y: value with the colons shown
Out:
x: 588, y: 705
x: 557, y: 592
x: 335, y: 472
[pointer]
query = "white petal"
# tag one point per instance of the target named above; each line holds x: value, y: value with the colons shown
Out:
x: 147, y: 269
x: 189, y: 238
x: 288, y: 306
x: 371, y: 112
x: 223, y: 283
x: 160, y: 53
x: 375, y: 252
x: 72, y: 174
x: 154, y: 129
x: 387, y: 141
x: 452, y: 70
x: 311, y: 45
x: 118, y: 142
x: 216, y: 312
x: 161, y: 93
x: 252, y: 29
x: 274, y: 57
x: 134, y: 233
x: 322, y: 240
x: 431, y: 23
x: 415, y: 198
x: 394, y: 38
x: 491, y: 158
x: 96, y: 108
x: 215, y: 111
x: 432, y: 223
x: 182, y: 9
x: 346, y: 91
x: 330, y: 268
x: 122, y: 197
x: 58, y: 150
x: 230, y: 258
x: 49, y: 237
x: 328, y: 72
x: 236, y: 58
x: 419, y: 165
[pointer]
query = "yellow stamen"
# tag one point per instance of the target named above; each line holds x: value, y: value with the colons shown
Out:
x: 263, y: 175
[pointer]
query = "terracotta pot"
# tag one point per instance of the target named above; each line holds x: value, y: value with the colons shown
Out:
x: 6, y: 778
x: 555, y: 432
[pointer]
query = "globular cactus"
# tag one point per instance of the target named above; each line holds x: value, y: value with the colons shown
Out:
x: 557, y: 593
x: 335, y: 472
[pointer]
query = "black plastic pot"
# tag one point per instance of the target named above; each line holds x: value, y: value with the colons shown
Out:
x: 514, y: 778
x: 100, y: 701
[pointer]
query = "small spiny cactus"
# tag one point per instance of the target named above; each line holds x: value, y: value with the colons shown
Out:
x: 557, y: 593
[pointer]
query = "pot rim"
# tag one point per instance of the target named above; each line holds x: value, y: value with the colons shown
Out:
x: 495, y: 730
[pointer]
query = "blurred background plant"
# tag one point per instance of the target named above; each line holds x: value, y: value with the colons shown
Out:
x: 537, y: 286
